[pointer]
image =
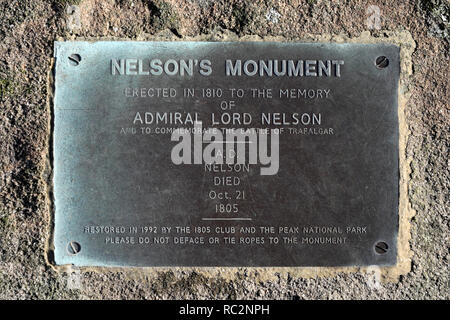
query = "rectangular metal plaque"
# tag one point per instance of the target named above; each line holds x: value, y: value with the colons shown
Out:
x: 225, y: 154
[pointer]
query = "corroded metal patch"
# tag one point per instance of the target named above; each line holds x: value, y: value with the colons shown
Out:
x: 225, y: 154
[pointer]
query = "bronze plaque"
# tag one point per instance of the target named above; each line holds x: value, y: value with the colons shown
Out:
x: 225, y: 154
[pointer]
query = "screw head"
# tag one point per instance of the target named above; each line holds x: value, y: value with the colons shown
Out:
x: 381, y: 247
x: 74, y: 59
x: 73, y: 248
x: 381, y: 62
